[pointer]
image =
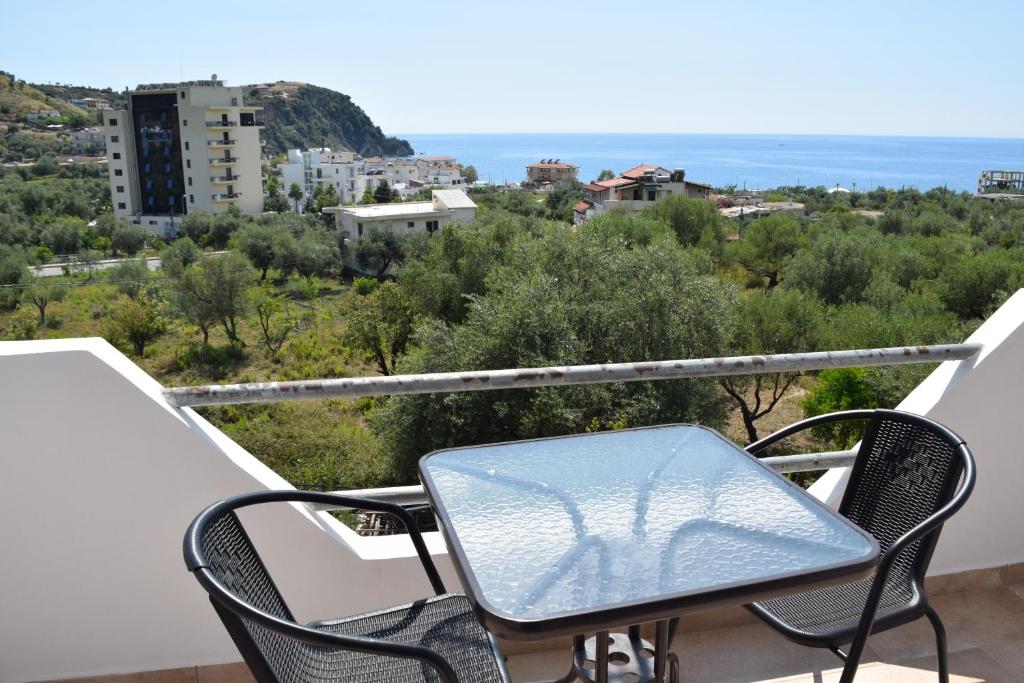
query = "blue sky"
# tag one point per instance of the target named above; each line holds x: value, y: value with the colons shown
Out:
x: 900, y: 67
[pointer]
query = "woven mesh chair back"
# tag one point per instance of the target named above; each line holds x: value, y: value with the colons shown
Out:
x: 907, y: 469
x: 233, y: 559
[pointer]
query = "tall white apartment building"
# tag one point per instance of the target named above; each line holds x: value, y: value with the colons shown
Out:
x: 180, y: 148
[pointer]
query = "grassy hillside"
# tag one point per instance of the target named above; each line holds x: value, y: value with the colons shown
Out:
x: 17, y: 98
x: 303, y: 115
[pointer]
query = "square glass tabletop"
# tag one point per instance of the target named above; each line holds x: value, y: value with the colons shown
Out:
x: 571, y: 534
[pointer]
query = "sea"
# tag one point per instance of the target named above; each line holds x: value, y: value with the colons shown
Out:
x: 746, y: 161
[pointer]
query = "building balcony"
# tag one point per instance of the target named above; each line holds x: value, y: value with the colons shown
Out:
x: 221, y: 124
x: 222, y: 161
x: 221, y: 143
x: 225, y: 196
x: 224, y: 179
x: 94, y: 558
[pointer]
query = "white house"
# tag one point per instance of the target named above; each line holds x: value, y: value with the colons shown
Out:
x: 405, y: 217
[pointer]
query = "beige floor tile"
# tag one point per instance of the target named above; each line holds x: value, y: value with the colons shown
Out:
x: 748, y: 653
x: 973, y: 619
x: 1009, y: 655
x: 966, y: 666
x: 185, y: 675
x: 225, y: 673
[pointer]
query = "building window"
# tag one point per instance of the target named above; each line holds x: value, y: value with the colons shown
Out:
x: 651, y: 195
x: 431, y: 227
x: 190, y: 181
x: 191, y: 199
x: 411, y: 224
x: 121, y: 205
x: 184, y: 122
x: 186, y: 145
x: 117, y: 155
x: 360, y: 226
x: 188, y: 163
x: 113, y: 122
x: 120, y: 188
x: 118, y: 172
x: 114, y: 138
x: 182, y: 94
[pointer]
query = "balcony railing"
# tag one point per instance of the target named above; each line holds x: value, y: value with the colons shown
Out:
x: 490, y: 380
x: 225, y: 196
x: 224, y: 178
x: 220, y: 124
x: 221, y: 143
x: 214, y: 161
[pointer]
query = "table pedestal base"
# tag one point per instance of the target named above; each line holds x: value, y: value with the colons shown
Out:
x: 624, y: 657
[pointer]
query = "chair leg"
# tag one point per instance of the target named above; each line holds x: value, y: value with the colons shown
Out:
x: 852, y: 658
x: 940, y: 643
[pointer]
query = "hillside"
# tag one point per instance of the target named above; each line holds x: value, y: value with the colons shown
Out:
x: 17, y: 98
x: 303, y: 115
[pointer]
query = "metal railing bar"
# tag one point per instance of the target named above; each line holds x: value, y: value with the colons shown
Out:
x: 489, y: 380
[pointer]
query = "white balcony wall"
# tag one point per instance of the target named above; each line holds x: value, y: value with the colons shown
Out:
x: 101, y: 478
x: 978, y: 398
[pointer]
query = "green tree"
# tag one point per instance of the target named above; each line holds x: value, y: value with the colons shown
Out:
x: 368, y: 196
x: 274, y: 201
x: 381, y: 324
x: 224, y: 225
x: 776, y: 321
x: 256, y: 241
x: 606, y: 174
x: 695, y: 221
x: 272, y: 317
x: 562, y: 297
x: 378, y: 250
x: 470, y: 174
x: 766, y: 246
x: 128, y: 239
x: 216, y: 290
x: 296, y: 194
x: 13, y: 271
x: 44, y: 291
x: 382, y: 193
x: 839, y: 389
x: 129, y: 276
x: 837, y: 266
x: 139, y: 321
x: 197, y: 227
x: 178, y: 255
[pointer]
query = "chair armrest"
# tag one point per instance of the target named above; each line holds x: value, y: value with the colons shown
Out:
x: 244, y: 610
x: 194, y: 557
x: 800, y: 426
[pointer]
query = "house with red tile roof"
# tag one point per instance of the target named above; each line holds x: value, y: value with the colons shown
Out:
x: 635, y: 190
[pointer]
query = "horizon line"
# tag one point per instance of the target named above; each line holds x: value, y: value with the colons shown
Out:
x: 600, y: 132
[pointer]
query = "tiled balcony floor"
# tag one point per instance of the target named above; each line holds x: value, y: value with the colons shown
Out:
x: 985, y: 625
x: 986, y: 643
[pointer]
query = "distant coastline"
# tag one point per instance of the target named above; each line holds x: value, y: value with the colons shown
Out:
x: 744, y: 160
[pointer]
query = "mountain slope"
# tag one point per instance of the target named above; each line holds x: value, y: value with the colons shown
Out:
x: 302, y: 115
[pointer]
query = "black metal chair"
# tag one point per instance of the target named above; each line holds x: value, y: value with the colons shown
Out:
x: 434, y: 639
x: 903, y: 487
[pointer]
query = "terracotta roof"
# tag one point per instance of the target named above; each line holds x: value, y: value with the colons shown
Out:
x: 550, y: 165
x: 594, y: 187
x: 614, y: 182
x: 688, y: 182
x: 638, y: 171
x: 582, y: 206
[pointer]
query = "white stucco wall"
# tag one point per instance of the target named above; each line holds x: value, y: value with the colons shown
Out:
x: 101, y: 478
x: 980, y: 399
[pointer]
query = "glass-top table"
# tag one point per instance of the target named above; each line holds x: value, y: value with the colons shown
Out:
x: 574, y: 534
